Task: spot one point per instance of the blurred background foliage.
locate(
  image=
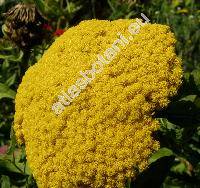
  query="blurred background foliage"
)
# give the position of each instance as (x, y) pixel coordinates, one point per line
(22, 22)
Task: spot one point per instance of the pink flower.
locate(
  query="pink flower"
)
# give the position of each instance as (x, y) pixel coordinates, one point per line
(59, 32)
(3, 149)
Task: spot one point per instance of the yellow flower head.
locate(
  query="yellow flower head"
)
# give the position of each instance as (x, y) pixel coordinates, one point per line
(104, 130)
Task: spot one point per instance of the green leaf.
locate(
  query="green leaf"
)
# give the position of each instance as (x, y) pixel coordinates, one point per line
(31, 182)
(44, 9)
(179, 168)
(189, 98)
(27, 169)
(182, 166)
(10, 81)
(40, 5)
(23, 155)
(162, 152)
(197, 102)
(196, 74)
(6, 92)
(15, 58)
(8, 168)
(5, 182)
(13, 142)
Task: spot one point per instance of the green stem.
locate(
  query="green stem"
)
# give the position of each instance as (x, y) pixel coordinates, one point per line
(24, 63)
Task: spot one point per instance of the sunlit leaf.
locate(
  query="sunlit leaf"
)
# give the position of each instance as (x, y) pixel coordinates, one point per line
(6, 92)
(162, 152)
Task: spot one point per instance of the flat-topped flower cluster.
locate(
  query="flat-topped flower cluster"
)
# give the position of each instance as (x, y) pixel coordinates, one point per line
(106, 133)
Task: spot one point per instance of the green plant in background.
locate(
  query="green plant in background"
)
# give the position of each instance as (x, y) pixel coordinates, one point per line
(182, 16)
(177, 163)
